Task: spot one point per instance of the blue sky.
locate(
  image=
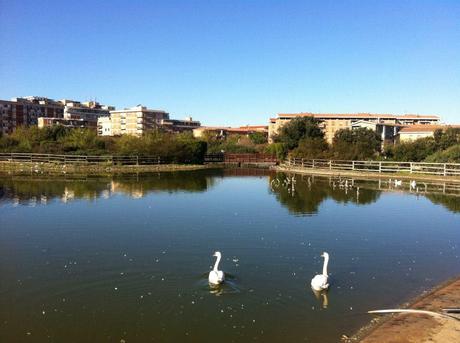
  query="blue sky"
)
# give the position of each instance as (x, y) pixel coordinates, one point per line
(237, 62)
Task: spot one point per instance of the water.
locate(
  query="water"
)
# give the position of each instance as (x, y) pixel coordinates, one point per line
(126, 259)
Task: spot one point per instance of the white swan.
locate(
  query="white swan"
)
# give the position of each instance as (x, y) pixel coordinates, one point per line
(216, 276)
(320, 281)
(398, 183)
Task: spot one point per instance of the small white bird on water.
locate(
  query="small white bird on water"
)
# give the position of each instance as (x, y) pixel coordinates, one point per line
(216, 276)
(320, 281)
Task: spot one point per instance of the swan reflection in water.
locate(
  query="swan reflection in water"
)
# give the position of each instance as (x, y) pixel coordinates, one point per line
(322, 297)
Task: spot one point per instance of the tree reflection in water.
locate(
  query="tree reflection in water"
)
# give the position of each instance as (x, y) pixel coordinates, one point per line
(303, 194)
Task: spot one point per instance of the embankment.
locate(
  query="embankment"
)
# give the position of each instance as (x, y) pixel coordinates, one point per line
(420, 328)
(58, 168)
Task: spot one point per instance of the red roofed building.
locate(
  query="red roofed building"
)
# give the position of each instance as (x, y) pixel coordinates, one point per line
(332, 122)
(413, 132)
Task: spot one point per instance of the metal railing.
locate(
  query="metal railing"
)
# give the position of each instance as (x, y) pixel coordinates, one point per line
(443, 169)
(81, 159)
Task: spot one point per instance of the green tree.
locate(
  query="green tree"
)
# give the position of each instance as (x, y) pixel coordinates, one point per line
(258, 137)
(449, 155)
(415, 151)
(297, 129)
(278, 149)
(446, 138)
(310, 148)
(356, 144)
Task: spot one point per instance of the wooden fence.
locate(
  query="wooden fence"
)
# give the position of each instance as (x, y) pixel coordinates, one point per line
(444, 169)
(81, 159)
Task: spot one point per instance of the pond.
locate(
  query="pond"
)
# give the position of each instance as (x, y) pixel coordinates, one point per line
(126, 258)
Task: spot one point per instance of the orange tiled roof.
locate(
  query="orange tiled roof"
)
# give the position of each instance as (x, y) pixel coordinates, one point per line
(425, 128)
(254, 127)
(235, 129)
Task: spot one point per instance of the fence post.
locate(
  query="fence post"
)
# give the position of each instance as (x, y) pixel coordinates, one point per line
(380, 166)
(352, 165)
(313, 163)
(411, 169)
(137, 160)
(445, 169)
(330, 164)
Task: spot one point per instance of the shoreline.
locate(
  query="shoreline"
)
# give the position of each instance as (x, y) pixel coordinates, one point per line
(340, 173)
(405, 328)
(8, 168)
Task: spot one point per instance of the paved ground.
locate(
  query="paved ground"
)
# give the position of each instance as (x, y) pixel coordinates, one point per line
(418, 328)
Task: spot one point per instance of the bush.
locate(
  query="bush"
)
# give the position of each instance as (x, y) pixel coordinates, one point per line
(310, 148)
(447, 138)
(232, 144)
(258, 137)
(415, 151)
(449, 155)
(357, 144)
(280, 150)
(298, 129)
(179, 148)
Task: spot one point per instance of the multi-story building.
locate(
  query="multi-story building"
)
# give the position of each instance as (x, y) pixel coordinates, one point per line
(69, 123)
(104, 126)
(89, 110)
(26, 111)
(331, 123)
(136, 120)
(413, 132)
(176, 125)
(70, 113)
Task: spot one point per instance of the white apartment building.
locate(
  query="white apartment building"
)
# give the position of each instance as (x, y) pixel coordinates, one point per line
(136, 120)
(104, 126)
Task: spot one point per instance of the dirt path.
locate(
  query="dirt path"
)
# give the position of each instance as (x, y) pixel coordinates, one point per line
(418, 328)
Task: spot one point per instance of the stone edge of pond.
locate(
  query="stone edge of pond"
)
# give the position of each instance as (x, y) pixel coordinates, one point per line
(378, 328)
(327, 172)
(8, 168)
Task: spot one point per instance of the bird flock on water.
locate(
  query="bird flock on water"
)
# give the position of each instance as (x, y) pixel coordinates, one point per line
(319, 283)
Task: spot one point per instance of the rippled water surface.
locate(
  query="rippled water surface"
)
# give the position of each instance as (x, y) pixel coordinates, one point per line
(125, 259)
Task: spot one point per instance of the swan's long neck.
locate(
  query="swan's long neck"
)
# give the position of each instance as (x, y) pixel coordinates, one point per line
(326, 261)
(216, 265)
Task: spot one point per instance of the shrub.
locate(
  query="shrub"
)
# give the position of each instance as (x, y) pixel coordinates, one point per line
(297, 129)
(449, 155)
(415, 151)
(258, 137)
(311, 148)
(280, 150)
(357, 144)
